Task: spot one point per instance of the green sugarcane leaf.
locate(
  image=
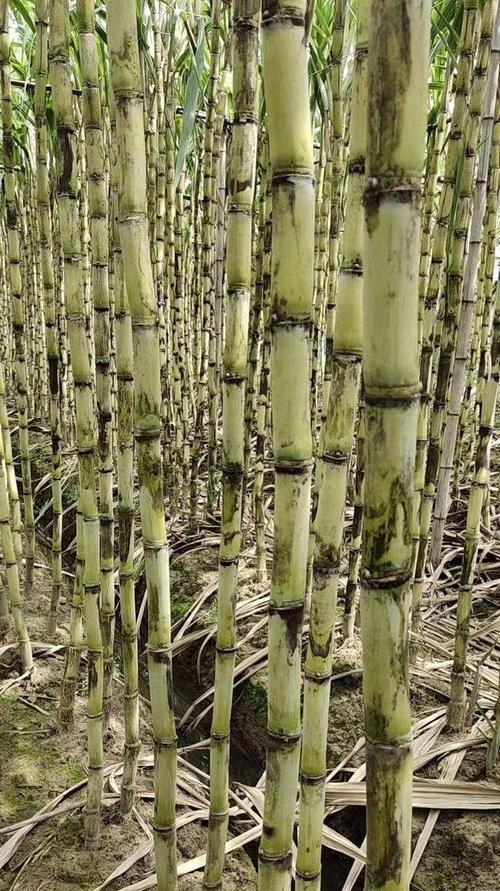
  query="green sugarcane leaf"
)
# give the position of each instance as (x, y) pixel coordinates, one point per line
(20, 9)
(191, 103)
(171, 39)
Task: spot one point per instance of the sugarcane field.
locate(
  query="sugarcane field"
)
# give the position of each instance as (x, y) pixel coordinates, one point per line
(249, 445)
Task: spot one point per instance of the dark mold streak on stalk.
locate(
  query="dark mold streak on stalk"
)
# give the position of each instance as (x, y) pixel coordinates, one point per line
(66, 162)
(390, 87)
(319, 649)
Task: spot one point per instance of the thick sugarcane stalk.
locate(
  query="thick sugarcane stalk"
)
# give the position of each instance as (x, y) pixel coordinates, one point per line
(397, 98)
(16, 290)
(134, 236)
(67, 200)
(94, 144)
(125, 478)
(284, 35)
(242, 166)
(484, 92)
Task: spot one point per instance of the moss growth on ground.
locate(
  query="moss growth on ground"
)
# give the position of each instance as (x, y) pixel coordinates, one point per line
(185, 584)
(257, 700)
(188, 576)
(33, 768)
(41, 462)
(462, 853)
(249, 719)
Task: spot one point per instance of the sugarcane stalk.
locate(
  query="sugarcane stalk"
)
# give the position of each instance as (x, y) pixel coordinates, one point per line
(52, 346)
(242, 168)
(69, 219)
(16, 290)
(94, 144)
(428, 434)
(137, 266)
(125, 478)
(484, 90)
(9, 553)
(284, 37)
(397, 98)
(456, 708)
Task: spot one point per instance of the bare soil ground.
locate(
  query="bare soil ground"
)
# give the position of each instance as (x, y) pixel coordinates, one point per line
(38, 762)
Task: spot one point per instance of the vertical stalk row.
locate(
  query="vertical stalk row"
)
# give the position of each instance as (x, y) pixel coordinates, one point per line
(16, 290)
(138, 272)
(397, 97)
(242, 165)
(284, 36)
(48, 285)
(69, 219)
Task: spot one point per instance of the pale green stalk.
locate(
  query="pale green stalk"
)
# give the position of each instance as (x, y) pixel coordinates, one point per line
(284, 37)
(134, 235)
(69, 219)
(242, 166)
(98, 208)
(482, 101)
(397, 99)
(16, 290)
